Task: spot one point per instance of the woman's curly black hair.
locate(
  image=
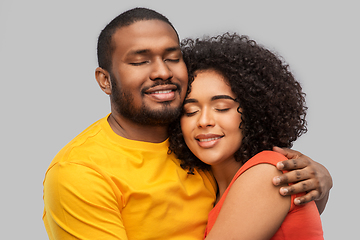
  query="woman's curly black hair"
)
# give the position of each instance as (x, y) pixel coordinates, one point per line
(271, 100)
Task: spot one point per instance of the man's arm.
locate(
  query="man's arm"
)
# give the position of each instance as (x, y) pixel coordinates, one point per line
(307, 175)
(80, 203)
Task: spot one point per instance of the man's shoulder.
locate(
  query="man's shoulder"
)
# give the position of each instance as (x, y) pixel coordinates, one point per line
(83, 141)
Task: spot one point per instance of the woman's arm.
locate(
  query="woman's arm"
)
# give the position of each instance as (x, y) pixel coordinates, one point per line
(253, 208)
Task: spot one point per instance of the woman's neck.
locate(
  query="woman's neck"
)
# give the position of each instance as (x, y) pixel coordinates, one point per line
(224, 173)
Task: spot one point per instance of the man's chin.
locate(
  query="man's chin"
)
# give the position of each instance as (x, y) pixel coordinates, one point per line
(153, 117)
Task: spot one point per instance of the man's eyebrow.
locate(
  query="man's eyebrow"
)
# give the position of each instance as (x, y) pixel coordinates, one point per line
(146, 51)
(139, 52)
(173, 49)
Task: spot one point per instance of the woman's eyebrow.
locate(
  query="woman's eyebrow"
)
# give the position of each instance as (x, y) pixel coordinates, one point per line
(222, 97)
(216, 97)
(190, 100)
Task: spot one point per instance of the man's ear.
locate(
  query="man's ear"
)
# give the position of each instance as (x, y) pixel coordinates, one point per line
(103, 78)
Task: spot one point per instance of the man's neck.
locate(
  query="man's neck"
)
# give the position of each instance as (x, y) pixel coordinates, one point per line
(131, 130)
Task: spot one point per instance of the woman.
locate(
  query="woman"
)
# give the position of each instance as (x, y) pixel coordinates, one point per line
(242, 101)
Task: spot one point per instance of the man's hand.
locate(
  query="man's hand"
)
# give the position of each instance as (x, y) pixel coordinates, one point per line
(306, 175)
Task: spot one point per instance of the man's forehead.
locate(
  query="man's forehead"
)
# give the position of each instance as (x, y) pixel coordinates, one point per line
(145, 36)
(146, 29)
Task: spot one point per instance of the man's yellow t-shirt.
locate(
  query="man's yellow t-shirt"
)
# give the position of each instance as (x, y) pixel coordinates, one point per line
(103, 186)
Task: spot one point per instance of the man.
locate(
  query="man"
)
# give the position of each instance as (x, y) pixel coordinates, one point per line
(116, 179)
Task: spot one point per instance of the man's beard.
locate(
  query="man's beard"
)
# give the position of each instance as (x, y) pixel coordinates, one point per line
(123, 102)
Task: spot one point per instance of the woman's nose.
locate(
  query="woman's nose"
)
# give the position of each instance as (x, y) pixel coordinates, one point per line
(206, 119)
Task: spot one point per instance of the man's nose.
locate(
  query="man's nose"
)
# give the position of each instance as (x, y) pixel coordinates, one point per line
(160, 71)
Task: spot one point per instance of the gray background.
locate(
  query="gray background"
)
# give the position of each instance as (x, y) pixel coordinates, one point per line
(49, 93)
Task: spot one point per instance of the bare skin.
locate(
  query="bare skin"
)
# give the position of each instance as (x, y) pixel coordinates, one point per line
(163, 70)
(315, 178)
(147, 63)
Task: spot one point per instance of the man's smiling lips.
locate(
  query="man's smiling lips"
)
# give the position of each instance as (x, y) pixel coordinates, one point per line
(162, 93)
(208, 140)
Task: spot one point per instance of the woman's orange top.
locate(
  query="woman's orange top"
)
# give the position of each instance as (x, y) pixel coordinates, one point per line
(302, 222)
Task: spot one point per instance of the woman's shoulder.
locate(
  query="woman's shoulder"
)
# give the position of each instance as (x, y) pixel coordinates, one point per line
(267, 156)
(263, 158)
(252, 198)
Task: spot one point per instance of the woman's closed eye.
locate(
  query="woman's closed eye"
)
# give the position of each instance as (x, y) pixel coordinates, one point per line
(222, 109)
(190, 109)
(190, 113)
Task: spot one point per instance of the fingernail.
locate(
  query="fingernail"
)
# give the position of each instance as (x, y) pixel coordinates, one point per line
(297, 201)
(280, 165)
(284, 191)
(276, 181)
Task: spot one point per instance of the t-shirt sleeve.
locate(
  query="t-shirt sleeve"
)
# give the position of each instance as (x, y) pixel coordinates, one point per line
(81, 202)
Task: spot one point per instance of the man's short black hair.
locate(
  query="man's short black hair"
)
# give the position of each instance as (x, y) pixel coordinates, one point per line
(105, 46)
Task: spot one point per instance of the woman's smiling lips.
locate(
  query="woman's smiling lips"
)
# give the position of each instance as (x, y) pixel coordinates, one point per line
(208, 140)
(162, 93)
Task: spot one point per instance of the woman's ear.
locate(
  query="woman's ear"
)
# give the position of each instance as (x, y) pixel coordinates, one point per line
(103, 78)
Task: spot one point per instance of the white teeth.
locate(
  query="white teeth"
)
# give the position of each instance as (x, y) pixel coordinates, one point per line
(208, 139)
(166, 91)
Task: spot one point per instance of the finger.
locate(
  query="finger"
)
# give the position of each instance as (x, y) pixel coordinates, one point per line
(289, 153)
(310, 196)
(293, 176)
(303, 186)
(293, 164)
